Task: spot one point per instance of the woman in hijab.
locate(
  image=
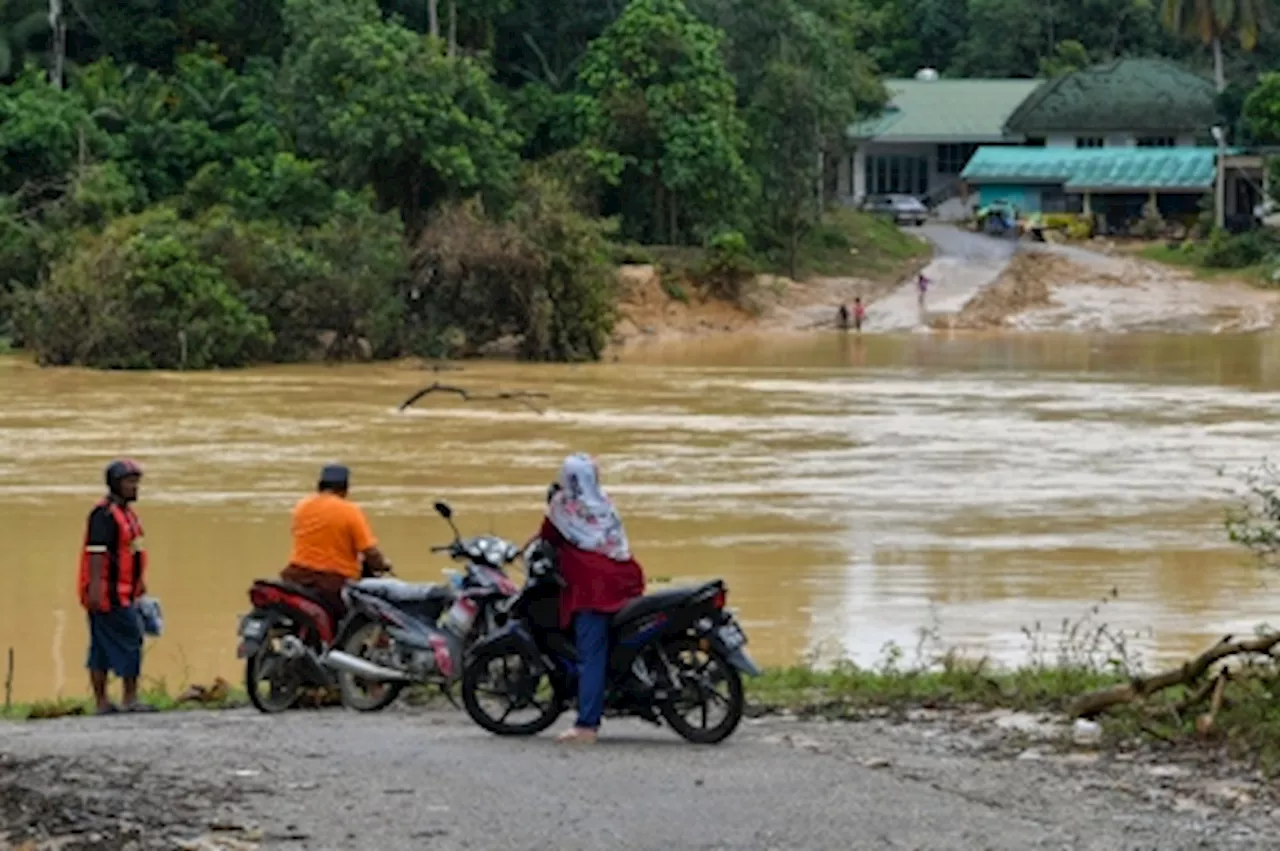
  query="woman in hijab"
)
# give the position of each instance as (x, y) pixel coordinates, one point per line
(600, 578)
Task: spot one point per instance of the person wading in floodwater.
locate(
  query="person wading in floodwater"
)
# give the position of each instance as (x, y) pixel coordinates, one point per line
(113, 575)
(859, 313)
(922, 287)
(842, 317)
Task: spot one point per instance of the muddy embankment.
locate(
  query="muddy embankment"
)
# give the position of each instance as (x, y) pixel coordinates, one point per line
(653, 309)
(1069, 289)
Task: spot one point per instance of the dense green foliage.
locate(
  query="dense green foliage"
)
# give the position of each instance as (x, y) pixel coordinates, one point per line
(228, 181)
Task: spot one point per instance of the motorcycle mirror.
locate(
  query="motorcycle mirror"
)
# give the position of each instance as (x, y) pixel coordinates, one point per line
(443, 509)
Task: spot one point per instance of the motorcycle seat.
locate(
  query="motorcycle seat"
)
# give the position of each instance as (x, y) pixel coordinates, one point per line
(399, 591)
(658, 601)
(298, 590)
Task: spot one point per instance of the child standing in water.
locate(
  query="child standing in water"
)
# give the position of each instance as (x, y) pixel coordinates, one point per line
(922, 286)
(859, 311)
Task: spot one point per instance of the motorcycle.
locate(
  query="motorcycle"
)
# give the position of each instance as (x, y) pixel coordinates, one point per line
(673, 653)
(391, 643)
(282, 640)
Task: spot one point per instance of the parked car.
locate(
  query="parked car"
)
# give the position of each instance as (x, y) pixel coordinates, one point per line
(904, 209)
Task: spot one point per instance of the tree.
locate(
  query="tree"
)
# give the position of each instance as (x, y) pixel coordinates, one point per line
(1006, 39)
(802, 81)
(1261, 113)
(1210, 21)
(21, 22)
(386, 107)
(1068, 56)
(44, 132)
(665, 103)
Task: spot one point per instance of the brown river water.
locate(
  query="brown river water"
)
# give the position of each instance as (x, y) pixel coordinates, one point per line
(850, 490)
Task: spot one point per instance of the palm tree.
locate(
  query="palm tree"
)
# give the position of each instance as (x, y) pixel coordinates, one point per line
(1212, 20)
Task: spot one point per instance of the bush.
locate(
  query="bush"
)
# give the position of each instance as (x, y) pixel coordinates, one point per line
(141, 296)
(1227, 251)
(543, 276)
(341, 285)
(729, 265)
(157, 291)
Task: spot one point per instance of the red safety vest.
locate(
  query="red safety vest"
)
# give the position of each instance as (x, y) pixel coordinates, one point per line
(126, 567)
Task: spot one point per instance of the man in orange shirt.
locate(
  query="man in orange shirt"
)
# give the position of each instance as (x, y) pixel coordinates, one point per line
(332, 541)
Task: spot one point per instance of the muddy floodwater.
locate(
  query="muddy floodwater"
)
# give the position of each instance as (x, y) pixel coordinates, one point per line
(850, 490)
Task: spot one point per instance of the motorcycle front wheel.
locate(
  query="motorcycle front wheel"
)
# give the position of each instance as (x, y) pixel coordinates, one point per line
(270, 668)
(497, 684)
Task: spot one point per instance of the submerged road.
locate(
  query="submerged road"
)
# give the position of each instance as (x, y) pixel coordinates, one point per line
(430, 780)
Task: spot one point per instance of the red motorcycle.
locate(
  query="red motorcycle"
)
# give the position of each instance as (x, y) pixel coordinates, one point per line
(285, 638)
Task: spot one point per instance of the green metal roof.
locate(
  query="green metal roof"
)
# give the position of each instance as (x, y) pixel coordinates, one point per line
(1095, 168)
(1150, 96)
(945, 110)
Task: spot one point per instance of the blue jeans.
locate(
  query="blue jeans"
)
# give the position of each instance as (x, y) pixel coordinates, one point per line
(591, 636)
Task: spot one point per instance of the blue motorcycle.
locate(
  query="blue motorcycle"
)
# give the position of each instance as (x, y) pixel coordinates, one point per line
(676, 655)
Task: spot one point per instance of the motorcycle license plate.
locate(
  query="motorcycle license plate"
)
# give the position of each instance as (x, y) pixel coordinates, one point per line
(732, 636)
(252, 628)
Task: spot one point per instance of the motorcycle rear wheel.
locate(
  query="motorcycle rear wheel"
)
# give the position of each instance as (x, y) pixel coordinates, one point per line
(698, 666)
(530, 691)
(285, 685)
(356, 691)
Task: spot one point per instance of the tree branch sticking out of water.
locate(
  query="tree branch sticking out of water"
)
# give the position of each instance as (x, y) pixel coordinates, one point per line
(521, 396)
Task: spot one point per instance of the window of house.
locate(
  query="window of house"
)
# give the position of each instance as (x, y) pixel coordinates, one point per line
(895, 174)
(1157, 142)
(953, 158)
(1090, 142)
(1055, 200)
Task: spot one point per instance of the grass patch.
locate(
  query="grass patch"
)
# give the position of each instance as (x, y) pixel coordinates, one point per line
(157, 695)
(845, 244)
(849, 243)
(1191, 258)
(847, 690)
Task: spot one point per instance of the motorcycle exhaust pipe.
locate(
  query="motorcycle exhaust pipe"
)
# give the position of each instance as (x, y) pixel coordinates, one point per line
(362, 668)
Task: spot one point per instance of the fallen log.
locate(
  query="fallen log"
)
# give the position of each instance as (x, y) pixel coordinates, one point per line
(1186, 674)
(520, 396)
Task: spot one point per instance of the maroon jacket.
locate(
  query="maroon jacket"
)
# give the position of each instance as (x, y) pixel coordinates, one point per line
(593, 582)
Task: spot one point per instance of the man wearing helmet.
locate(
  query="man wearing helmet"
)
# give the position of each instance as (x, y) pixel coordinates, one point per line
(332, 541)
(113, 575)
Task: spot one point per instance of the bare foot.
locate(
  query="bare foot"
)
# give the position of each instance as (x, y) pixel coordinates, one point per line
(577, 736)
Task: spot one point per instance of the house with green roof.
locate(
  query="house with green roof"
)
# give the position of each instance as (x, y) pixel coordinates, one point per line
(1111, 139)
(931, 128)
(925, 135)
(1148, 103)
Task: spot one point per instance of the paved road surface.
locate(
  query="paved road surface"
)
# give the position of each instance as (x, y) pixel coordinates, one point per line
(432, 781)
(963, 263)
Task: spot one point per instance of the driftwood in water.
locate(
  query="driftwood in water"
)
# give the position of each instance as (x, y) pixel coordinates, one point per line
(1187, 674)
(520, 396)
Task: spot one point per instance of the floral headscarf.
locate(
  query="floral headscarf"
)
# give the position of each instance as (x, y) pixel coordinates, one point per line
(583, 512)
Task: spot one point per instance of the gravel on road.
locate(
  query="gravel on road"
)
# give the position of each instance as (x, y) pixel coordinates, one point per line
(431, 781)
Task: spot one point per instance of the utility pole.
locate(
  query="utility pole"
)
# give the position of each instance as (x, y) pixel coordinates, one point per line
(58, 27)
(1220, 187)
